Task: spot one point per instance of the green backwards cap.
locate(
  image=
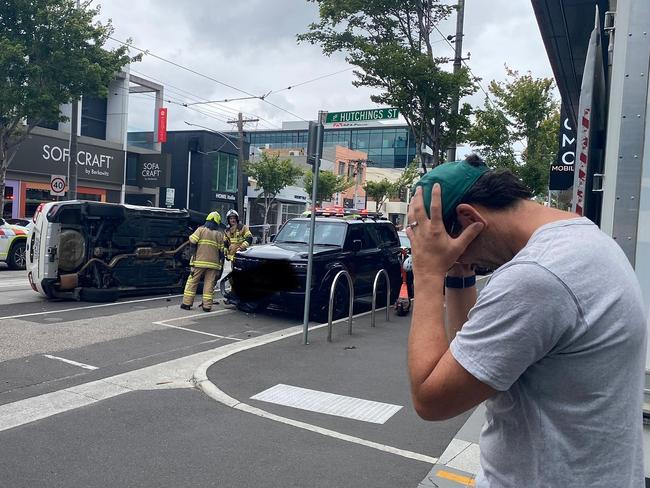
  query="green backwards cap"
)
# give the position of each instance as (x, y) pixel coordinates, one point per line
(455, 179)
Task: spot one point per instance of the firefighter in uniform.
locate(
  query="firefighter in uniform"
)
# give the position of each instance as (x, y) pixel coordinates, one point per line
(238, 236)
(207, 261)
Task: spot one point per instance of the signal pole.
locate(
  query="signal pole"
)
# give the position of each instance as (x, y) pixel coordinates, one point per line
(458, 59)
(240, 163)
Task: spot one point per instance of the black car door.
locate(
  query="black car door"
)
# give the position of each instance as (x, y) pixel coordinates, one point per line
(363, 262)
(389, 245)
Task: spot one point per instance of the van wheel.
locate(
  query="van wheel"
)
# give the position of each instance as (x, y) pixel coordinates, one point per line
(17, 258)
(101, 295)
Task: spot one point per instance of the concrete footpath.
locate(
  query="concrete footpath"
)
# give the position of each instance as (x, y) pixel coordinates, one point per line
(353, 389)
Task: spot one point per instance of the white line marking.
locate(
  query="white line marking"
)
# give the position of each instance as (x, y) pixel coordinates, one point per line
(204, 314)
(69, 361)
(10, 283)
(87, 308)
(172, 375)
(328, 403)
(201, 380)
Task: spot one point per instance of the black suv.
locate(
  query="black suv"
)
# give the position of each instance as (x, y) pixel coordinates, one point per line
(276, 273)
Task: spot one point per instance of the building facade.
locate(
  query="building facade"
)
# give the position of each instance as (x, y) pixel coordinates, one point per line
(386, 146)
(108, 169)
(203, 170)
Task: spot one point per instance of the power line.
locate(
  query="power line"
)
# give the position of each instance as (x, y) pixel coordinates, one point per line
(310, 81)
(444, 38)
(190, 70)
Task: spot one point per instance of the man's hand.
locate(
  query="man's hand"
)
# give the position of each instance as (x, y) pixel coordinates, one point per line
(433, 250)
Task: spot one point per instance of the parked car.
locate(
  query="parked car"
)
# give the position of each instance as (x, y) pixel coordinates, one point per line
(13, 240)
(96, 251)
(276, 273)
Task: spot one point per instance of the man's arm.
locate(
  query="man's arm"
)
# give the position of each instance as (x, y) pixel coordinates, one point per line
(440, 387)
(459, 300)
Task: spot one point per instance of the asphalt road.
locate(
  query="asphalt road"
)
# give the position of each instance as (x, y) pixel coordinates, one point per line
(101, 395)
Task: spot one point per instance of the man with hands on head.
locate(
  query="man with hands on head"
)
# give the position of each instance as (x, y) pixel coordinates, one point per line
(555, 343)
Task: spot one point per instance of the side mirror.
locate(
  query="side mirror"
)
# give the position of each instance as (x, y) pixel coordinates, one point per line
(272, 238)
(356, 245)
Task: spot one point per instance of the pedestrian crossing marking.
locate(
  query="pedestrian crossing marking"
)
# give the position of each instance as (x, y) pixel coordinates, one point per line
(328, 403)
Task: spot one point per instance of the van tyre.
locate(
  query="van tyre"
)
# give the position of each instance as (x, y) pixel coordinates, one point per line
(100, 295)
(17, 257)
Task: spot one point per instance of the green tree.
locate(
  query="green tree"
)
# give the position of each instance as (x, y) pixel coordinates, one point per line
(390, 41)
(271, 175)
(328, 185)
(380, 191)
(50, 53)
(524, 113)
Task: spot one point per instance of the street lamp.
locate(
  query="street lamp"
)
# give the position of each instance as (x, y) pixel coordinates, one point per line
(189, 155)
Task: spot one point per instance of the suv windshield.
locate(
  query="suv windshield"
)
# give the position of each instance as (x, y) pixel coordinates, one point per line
(327, 233)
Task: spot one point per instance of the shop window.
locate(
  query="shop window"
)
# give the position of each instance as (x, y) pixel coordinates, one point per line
(388, 139)
(225, 173)
(9, 202)
(93, 117)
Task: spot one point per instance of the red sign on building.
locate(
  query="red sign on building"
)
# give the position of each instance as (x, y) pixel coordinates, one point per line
(162, 125)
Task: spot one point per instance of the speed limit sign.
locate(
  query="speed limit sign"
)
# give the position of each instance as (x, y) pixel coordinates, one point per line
(57, 185)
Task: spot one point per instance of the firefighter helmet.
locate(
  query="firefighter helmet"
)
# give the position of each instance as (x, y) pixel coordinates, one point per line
(213, 217)
(232, 213)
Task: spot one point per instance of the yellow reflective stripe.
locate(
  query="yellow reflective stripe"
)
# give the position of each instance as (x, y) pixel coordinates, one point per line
(194, 239)
(208, 242)
(205, 264)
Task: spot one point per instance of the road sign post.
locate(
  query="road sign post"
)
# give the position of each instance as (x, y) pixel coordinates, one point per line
(57, 185)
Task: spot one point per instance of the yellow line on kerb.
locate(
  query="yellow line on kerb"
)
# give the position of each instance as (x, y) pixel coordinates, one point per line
(465, 480)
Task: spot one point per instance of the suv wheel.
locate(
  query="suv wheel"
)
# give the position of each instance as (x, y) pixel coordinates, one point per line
(341, 303)
(17, 258)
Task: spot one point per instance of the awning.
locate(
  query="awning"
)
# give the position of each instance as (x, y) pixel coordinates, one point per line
(565, 26)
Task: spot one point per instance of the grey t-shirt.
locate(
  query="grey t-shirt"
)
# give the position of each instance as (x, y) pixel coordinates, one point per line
(560, 332)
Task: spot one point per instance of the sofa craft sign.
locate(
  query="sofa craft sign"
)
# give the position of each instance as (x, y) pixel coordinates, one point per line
(93, 164)
(45, 155)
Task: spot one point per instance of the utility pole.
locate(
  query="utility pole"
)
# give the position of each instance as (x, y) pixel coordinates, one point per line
(458, 59)
(72, 150)
(241, 189)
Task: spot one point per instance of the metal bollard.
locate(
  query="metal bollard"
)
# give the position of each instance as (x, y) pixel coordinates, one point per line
(374, 295)
(331, 305)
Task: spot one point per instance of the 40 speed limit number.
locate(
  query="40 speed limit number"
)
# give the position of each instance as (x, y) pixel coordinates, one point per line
(57, 185)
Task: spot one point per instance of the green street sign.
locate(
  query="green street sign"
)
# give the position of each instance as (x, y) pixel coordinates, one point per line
(371, 115)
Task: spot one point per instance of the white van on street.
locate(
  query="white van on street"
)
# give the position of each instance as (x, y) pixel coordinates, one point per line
(96, 251)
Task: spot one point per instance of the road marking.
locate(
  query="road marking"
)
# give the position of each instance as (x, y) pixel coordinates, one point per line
(11, 283)
(204, 314)
(448, 475)
(178, 373)
(69, 361)
(328, 403)
(200, 379)
(87, 308)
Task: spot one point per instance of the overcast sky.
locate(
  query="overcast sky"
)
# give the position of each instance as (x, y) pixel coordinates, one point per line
(251, 45)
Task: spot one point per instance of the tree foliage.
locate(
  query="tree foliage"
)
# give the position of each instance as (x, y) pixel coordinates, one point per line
(523, 113)
(50, 53)
(380, 191)
(328, 185)
(390, 41)
(272, 175)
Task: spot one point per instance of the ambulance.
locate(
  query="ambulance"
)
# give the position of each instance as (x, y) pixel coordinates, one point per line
(13, 240)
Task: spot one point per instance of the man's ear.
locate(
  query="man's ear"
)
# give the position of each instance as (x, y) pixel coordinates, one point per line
(467, 214)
